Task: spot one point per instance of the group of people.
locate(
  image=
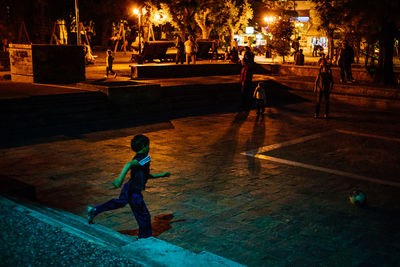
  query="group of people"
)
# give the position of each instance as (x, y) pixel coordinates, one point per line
(323, 82)
(188, 49)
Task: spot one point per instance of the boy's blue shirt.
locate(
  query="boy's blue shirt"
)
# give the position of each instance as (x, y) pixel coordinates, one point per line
(140, 174)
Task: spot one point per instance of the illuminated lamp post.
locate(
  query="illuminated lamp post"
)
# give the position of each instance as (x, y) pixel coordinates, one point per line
(78, 33)
(269, 20)
(139, 14)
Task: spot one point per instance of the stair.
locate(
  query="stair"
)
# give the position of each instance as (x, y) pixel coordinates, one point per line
(144, 252)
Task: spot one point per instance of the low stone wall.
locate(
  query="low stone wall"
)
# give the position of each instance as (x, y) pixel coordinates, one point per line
(190, 70)
(359, 74)
(126, 92)
(176, 71)
(47, 63)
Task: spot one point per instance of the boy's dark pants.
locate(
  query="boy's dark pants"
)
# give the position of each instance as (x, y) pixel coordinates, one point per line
(137, 205)
(322, 94)
(180, 57)
(246, 95)
(260, 106)
(109, 69)
(345, 72)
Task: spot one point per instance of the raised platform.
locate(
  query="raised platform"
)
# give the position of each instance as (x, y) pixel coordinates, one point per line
(183, 70)
(125, 92)
(191, 70)
(359, 74)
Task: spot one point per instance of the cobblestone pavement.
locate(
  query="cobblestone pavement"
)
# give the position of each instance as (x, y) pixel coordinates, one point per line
(254, 211)
(40, 244)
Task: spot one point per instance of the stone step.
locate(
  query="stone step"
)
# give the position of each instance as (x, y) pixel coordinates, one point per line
(145, 252)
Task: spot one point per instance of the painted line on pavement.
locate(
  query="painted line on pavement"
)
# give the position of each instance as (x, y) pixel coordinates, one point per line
(327, 170)
(394, 139)
(256, 153)
(287, 143)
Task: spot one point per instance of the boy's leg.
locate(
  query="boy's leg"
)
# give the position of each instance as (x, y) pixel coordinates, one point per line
(318, 103)
(326, 104)
(112, 204)
(342, 74)
(258, 106)
(262, 106)
(142, 215)
(107, 69)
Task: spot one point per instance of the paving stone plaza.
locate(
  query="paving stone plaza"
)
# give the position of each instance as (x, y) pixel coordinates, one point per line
(269, 191)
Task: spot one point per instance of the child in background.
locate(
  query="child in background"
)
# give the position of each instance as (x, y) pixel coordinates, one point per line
(109, 64)
(260, 98)
(131, 192)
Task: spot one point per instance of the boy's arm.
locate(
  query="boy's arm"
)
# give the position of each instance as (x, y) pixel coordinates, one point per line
(117, 182)
(164, 174)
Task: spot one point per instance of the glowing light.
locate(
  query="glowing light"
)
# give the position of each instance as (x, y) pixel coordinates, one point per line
(136, 11)
(269, 19)
(303, 19)
(250, 30)
(157, 16)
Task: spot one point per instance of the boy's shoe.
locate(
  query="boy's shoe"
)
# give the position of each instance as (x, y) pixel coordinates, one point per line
(90, 215)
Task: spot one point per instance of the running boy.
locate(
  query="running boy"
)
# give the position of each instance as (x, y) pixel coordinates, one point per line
(109, 64)
(131, 192)
(260, 98)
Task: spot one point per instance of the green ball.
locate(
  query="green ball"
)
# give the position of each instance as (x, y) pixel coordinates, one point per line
(357, 198)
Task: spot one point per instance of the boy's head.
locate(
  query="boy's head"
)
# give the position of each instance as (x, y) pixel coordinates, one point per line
(109, 52)
(261, 84)
(139, 142)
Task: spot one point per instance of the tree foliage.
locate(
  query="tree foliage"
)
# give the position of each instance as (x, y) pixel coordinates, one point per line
(330, 15)
(281, 31)
(376, 21)
(237, 15)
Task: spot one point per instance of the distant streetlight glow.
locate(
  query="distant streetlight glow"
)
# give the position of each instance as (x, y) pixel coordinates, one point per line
(269, 19)
(139, 13)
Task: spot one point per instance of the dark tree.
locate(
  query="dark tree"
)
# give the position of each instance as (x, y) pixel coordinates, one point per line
(330, 14)
(380, 21)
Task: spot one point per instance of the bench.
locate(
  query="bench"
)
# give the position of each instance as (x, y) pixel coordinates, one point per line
(153, 50)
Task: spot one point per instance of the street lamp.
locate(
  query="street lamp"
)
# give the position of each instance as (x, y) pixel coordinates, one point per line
(78, 33)
(137, 12)
(269, 19)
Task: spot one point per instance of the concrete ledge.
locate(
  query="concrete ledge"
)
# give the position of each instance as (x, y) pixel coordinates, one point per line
(145, 252)
(125, 92)
(359, 74)
(172, 71)
(386, 98)
(156, 252)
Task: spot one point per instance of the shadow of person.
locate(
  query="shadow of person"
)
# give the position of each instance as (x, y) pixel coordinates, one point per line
(223, 151)
(255, 141)
(160, 224)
